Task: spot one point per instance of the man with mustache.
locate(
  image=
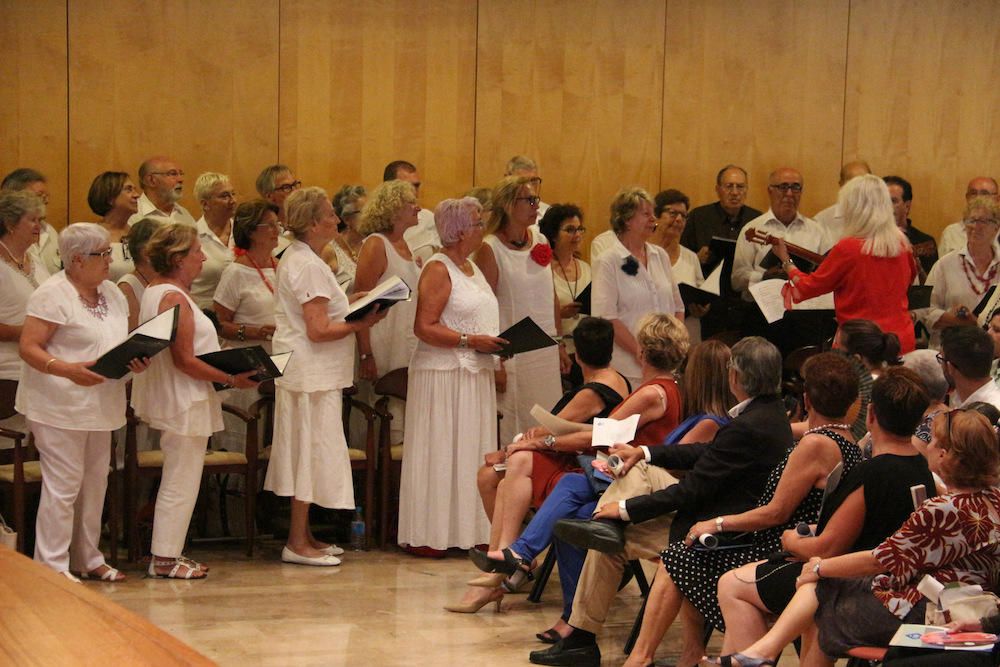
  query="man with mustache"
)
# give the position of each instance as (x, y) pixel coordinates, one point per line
(162, 183)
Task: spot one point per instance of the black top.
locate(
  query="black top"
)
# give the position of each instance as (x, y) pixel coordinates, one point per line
(916, 238)
(725, 476)
(710, 220)
(609, 396)
(886, 479)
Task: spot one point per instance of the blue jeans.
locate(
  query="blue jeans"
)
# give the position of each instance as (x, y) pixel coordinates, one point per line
(572, 498)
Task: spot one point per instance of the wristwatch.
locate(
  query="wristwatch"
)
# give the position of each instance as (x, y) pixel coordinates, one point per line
(816, 570)
(463, 341)
(549, 441)
(718, 523)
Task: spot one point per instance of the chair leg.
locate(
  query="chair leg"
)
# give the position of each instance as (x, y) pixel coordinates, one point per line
(633, 636)
(543, 574)
(19, 525)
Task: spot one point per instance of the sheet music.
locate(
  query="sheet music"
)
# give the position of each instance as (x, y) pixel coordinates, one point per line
(609, 431)
(767, 294)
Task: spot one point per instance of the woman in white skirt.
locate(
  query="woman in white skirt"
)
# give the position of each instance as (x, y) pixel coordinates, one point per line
(516, 261)
(72, 319)
(309, 459)
(451, 395)
(176, 395)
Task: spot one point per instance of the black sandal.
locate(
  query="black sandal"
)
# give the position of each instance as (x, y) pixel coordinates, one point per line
(509, 565)
(550, 636)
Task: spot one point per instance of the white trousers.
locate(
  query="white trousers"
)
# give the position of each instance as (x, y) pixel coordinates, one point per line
(183, 460)
(74, 480)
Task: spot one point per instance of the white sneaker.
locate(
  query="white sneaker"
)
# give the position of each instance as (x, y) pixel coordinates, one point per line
(326, 560)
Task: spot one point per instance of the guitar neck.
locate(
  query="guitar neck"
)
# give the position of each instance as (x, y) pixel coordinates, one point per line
(801, 252)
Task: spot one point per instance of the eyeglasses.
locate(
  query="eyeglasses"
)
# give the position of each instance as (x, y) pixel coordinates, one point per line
(982, 221)
(228, 195)
(288, 187)
(104, 254)
(271, 225)
(173, 173)
(574, 230)
(532, 201)
(676, 214)
(787, 187)
(738, 187)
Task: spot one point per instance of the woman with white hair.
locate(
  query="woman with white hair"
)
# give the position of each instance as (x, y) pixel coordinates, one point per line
(309, 458)
(869, 270)
(451, 395)
(925, 364)
(217, 197)
(72, 320)
(176, 395)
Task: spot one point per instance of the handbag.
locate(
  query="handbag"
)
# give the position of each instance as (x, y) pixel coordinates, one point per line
(970, 608)
(8, 536)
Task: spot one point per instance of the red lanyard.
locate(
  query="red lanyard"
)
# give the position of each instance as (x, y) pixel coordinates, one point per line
(267, 283)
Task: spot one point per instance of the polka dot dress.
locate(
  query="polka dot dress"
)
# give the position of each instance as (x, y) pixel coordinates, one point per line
(697, 571)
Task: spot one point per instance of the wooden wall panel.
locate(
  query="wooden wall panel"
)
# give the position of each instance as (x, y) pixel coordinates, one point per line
(197, 81)
(365, 84)
(759, 84)
(33, 94)
(923, 97)
(576, 85)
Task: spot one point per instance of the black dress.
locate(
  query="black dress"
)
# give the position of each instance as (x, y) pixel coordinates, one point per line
(696, 571)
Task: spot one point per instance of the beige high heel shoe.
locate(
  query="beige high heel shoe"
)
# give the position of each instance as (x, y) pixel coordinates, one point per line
(496, 595)
(491, 580)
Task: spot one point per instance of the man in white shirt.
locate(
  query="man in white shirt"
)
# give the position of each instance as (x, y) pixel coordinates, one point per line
(830, 217)
(162, 183)
(522, 165)
(422, 238)
(953, 236)
(274, 184)
(966, 356)
(47, 249)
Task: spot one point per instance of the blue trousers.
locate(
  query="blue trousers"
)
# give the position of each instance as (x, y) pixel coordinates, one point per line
(572, 498)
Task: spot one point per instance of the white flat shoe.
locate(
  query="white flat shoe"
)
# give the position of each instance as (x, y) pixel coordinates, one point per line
(333, 550)
(326, 560)
(69, 575)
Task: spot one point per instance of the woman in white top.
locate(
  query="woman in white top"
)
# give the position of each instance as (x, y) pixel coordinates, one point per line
(671, 210)
(342, 253)
(73, 319)
(309, 459)
(516, 262)
(114, 197)
(962, 277)
(217, 197)
(176, 395)
(134, 283)
(562, 225)
(451, 395)
(633, 278)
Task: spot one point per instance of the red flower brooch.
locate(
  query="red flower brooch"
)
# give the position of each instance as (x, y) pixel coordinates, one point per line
(542, 254)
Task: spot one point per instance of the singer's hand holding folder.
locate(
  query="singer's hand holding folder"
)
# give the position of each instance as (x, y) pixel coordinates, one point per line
(242, 359)
(525, 336)
(146, 340)
(384, 295)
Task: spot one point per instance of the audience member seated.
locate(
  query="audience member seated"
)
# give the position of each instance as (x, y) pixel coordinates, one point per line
(423, 237)
(966, 356)
(217, 197)
(47, 247)
(134, 283)
(309, 458)
(114, 197)
(516, 262)
(861, 598)
(832, 217)
(953, 237)
(162, 183)
(925, 364)
(450, 392)
(175, 395)
(867, 505)
(633, 278)
(793, 494)
(961, 278)
(924, 246)
(869, 270)
(724, 476)
(342, 253)
(72, 320)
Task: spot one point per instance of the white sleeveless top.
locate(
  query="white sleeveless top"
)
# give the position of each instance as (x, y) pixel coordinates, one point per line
(524, 288)
(471, 309)
(392, 339)
(133, 281)
(166, 398)
(15, 288)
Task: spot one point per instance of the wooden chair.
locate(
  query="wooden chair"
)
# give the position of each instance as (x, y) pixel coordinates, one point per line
(149, 464)
(391, 385)
(363, 461)
(24, 473)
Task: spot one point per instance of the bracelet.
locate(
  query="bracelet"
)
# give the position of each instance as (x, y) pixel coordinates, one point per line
(49, 363)
(230, 381)
(365, 355)
(241, 333)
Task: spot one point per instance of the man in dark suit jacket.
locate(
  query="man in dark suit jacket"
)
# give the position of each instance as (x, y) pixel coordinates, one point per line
(725, 476)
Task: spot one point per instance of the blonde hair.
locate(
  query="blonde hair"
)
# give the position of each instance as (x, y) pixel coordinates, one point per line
(385, 201)
(865, 203)
(504, 194)
(206, 184)
(625, 204)
(168, 244)
(971, 441)
(663, 340)
(302, 209)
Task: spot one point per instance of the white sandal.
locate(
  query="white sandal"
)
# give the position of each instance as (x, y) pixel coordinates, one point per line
(175, 571)
(110, 575)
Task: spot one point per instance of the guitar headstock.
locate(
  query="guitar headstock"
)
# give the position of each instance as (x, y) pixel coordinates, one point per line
(759, 237)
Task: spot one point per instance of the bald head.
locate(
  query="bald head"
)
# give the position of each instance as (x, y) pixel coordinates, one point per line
(852, 169)
(982, 186)
(784, 188)
(162, 181)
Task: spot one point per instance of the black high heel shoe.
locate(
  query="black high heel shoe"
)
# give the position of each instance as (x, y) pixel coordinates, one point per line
(509, 565)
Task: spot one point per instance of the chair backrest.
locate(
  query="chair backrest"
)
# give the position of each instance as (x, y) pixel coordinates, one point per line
(8, 390)
(392, 384)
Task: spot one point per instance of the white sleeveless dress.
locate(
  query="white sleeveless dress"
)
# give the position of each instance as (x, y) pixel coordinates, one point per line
(452, 425)
(524, 289)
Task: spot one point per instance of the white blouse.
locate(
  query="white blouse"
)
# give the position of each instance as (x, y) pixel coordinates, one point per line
(79, 336)
(950, 277)
(313, 366)
(218, 256)
(243, 291)
(15, 290)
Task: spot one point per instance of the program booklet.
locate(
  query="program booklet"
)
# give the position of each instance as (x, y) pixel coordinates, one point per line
(385, 295)
(242, 359)
(146, 340)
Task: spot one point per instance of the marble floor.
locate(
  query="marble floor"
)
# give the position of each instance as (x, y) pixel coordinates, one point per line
(380, 608)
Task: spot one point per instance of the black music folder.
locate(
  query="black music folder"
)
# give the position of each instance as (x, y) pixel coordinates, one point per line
(147, 339)
(525, 336)
(242, 359)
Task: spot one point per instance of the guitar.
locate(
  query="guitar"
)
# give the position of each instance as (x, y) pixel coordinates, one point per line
(763, 238)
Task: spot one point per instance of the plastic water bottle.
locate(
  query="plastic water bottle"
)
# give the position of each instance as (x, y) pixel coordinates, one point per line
(358, 530)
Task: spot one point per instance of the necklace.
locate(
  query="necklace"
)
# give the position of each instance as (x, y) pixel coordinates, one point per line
(350, 249)
(576, 278)
(983, 281)
(19, 266)
(98, 309)
(823, 427)
(267, 283)
(520, 245)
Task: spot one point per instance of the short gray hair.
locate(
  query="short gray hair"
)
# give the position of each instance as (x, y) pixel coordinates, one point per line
(520, 163)
(265, 182)
(80, 238)
(15, 204)
(302, 209)
(207, 182)
(925, 364)
(758, 366)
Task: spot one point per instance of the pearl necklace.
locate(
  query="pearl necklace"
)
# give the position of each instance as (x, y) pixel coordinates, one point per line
(19, 266)
(823, 427)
